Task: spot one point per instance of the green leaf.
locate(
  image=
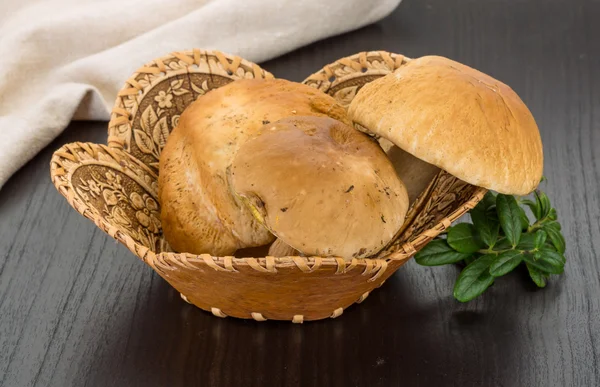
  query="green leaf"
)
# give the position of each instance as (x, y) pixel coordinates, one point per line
(539, 238)
(486, 222)
(547, 262)
(537, 276)
(506, 262)
(527, 242)
(438, 252)
(551, 254)
(533, 206)
(464, 239)
(509, 214)
(502, 244)
(474, 279)
(524, 219)
(489, 200)
(552, 214)
(473, 257)
(553, 231)
(539, 206)
(543, 203)
(554, 225)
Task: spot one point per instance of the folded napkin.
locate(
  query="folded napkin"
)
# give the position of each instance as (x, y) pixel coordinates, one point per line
(66, 59)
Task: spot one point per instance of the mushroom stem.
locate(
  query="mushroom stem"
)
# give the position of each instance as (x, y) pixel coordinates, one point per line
(281, 249)
(414, 172)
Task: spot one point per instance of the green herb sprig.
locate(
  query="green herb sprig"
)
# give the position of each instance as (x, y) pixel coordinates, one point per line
(500, 238)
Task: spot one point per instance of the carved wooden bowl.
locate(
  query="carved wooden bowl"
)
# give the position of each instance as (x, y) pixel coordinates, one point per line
(115, 186)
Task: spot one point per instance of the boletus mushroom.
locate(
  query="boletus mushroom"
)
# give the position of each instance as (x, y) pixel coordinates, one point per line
(198, 211)
(443, 114)
(322, 187)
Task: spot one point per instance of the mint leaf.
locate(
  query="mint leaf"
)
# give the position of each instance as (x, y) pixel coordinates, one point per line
(550, 262)
(533, 206)
(486, 222)
(539, 239)
(474, 279)
(553, 231)
(438, 252)
(524, 219)
(537, 276)
(464, 239)
(489, 200)
(502, 244)
(471, 259)
(509, 214)
(543, 203)
(502, 228)
(549, 253)
(506, 262)
(527, 242)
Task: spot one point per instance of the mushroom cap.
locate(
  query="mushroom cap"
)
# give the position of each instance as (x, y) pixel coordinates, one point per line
(458, 119)
(198, 211)
(321, 187)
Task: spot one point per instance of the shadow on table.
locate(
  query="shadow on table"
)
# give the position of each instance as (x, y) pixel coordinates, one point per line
(390, 338)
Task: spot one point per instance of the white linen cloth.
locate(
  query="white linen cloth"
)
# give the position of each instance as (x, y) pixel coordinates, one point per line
(66, 59)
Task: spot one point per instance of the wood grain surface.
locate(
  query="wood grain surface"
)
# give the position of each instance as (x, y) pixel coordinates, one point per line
(76, 309)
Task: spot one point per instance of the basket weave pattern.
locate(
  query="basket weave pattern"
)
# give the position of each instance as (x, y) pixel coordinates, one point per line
(115, 186)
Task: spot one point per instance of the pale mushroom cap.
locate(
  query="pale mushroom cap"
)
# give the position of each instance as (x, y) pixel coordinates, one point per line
(458, 119)
(321, 187)
(198, 211)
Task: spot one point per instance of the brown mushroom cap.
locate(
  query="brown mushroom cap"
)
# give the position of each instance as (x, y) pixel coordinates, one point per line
(458, 119)
(321, 187)
(198, 211)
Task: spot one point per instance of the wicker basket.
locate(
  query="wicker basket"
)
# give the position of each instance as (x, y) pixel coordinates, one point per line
(115, 186)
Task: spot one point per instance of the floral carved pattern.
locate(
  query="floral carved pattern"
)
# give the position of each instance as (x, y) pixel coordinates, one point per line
(113, 189)
(149, 106)
(345, 77)
(161, 109)
(122, 202)
(445, 195)
(157, 116)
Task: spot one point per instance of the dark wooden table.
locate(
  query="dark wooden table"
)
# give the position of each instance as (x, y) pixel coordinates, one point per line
(77, 309)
